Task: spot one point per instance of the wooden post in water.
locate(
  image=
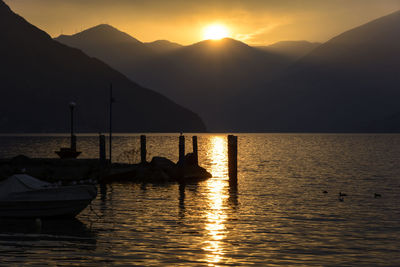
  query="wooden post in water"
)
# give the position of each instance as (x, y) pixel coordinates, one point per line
(102, 149)
(143, 150)
(181, 149)
(232, 158)
(195, 150)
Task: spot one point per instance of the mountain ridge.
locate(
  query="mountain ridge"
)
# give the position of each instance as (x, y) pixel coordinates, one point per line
(204, 76)
(102, 33)
(41, 76)
(347, 84)
(293, 49)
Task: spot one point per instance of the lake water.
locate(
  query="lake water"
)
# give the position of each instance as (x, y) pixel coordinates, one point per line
(278, 214)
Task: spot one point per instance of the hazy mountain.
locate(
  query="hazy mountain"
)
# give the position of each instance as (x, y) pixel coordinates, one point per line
(162, 46)
(208, 77)
(350, 83)
(205, 77)
(118, 49)
(291, 49)
(40, 76)
(103, 34)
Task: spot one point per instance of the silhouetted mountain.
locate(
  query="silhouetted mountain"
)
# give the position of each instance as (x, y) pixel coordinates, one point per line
(118, 49)
(350, 83)
(291, 49)
(209, 75)
(40, 76)
(206, 76)
(103, 34)
(162, 46)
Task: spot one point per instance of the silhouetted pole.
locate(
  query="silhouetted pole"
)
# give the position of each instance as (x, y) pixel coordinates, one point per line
(73, 142)
(181, 149)
(232, 158)
(111, 102)
(73, 137)
(102, 149)
(143, 150)
(195, 150)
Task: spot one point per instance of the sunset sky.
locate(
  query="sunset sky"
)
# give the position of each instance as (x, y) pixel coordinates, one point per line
(256, 22)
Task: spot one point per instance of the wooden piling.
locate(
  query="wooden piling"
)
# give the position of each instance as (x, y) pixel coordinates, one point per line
(102, 149)
(232, 158)
(195, 150)
(143, 150)
(181, 149)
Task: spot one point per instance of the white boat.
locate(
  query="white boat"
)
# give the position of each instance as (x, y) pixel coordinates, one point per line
(23, 196)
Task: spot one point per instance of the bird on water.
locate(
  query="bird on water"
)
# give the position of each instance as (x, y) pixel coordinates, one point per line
(341, 196)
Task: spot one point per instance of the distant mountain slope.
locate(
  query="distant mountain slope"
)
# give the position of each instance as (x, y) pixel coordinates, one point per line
(209, 75)
(101, 34)
(163, 46)
(206, 76)
(118, 49)
(40, 76)
(291, 49)
(350, 83)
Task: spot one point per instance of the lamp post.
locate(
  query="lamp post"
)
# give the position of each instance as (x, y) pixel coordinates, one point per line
(72, 105)
(70, 152)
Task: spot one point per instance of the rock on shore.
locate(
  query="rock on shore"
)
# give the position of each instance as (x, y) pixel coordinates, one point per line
(159, 170)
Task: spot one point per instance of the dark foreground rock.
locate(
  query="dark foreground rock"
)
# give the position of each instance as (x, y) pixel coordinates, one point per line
(159, 170)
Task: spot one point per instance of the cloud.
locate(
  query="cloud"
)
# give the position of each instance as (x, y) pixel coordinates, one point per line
(257, 36)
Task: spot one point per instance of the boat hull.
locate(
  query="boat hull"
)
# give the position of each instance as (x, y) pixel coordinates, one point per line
(60, 202)
(42, 209)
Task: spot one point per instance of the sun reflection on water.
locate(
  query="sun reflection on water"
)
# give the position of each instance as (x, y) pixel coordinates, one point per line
(217, 194)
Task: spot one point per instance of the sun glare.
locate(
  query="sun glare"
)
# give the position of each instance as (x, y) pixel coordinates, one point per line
(215, 32)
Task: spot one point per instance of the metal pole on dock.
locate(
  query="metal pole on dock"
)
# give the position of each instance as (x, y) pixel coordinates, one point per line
(232, 158)
(73, 142)
(73, 137)
(143, 150)
(111, 102)
(181, 149)
(195, 150)
(102, 149)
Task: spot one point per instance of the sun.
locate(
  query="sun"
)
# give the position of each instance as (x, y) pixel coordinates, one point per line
(215, 32)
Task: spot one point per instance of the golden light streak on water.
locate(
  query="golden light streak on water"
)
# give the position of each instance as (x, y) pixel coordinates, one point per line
(216, 195)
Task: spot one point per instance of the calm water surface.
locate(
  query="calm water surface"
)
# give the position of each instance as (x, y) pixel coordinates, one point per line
(277, 215)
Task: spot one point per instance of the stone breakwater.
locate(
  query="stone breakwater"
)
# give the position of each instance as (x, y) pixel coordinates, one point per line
(158, 170)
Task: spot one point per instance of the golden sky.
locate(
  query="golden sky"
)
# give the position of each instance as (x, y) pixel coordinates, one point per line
(256, 22)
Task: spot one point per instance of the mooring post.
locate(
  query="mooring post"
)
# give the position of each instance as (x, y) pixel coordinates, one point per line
(181, 149)
(102, 149)
(232, 158)
(143, 150)
(195, 150)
